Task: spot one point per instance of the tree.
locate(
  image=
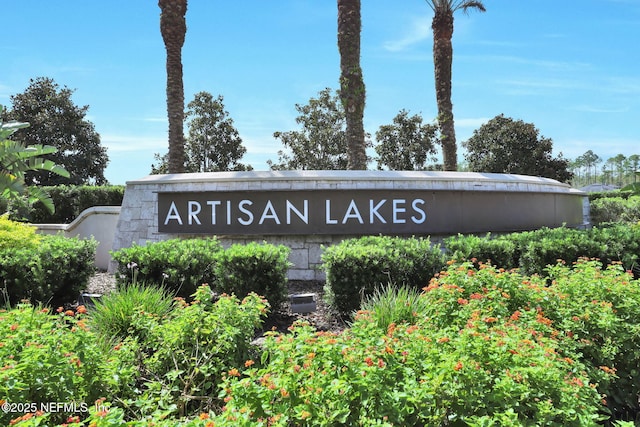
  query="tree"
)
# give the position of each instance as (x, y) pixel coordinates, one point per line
(321, 144)
(56, 121)
(352, 89)
(213, 143)
(442, 26)
(505, 145)
(633, 164)
(589, 160)
(16, 160)
(173, 28)
(406, 144)
(619, 162)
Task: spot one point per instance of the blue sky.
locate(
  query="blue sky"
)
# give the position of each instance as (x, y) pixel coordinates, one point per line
(569, 67)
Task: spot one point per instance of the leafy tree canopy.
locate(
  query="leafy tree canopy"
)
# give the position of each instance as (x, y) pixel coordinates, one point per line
(213, 143)
(407, 144)
(321, 143)
(505, 145)
(56, 121)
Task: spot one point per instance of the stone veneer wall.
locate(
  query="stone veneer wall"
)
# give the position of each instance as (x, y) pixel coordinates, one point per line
(138, 222)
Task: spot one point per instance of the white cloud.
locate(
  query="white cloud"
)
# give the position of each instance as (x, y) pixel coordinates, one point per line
(128, 143)
(155, 119)
(473, 123)
(418, 31)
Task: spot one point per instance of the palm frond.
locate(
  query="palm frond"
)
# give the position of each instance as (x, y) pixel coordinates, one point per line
(471, 4)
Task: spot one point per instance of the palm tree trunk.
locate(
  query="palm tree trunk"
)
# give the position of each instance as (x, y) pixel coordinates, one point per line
(442, 26)
(352, 89)
(173, 28)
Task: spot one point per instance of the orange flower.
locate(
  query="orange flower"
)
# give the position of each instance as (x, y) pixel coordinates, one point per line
(81, 309)
(210, 424)
(69, 313)
(515, 316)
(305, 414)
(13, 327)
(458, 366)
(204, 416)
(284, 392)
(102, 413)
(608, 370)
(388, 350)
(443, 340)
(368, 361)
(248, 363)
(59, 309)
(462, 301)
(234, 372)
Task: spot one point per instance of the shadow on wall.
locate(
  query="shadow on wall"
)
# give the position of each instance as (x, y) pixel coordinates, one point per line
(99, 222)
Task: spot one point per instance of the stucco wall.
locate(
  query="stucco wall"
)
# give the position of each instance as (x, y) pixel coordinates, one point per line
(98, 222)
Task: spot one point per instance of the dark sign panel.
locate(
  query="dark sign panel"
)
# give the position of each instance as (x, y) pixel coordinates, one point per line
(293, 212)
(362, 212)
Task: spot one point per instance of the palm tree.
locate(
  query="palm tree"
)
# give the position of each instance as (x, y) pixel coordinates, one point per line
(352, 90)
(173, 28)
(442, 26)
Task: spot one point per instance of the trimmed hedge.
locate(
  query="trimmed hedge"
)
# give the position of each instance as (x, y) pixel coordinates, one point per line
(259, 268)
(533, 251)
(355, 268)
(53, 273)
(615, 209)
(69, 200)
(181, 265)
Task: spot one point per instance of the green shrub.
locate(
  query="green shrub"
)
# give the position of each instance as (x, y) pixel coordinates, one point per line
(495, 250)
(180, 265)
(113, 314)
(601, 309)
(615, 209)
(534, 250)
(69, 200)
(187, 354)
(565, 244)
(14, 235)
(625, 194)
(488, 347)
(484, 351)
(259, 268)
(48, 358)
(355, 267)
(53, 273)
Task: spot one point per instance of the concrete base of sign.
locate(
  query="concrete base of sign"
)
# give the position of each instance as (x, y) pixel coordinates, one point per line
(278, 206)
